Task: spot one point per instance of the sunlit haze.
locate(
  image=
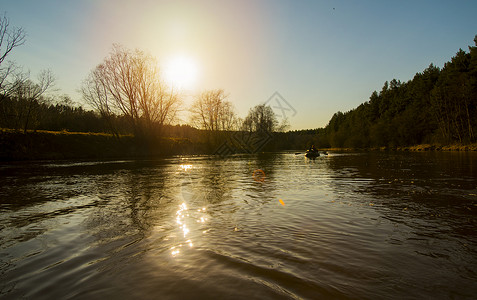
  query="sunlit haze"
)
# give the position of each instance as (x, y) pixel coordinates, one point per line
(181, 72)
(321, 56)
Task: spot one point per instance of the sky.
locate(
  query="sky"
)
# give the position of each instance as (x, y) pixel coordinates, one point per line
(321, 57)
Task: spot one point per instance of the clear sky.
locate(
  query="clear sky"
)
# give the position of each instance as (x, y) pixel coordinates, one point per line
(321, 56)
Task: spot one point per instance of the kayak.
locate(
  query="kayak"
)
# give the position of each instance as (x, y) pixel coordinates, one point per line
(312, 154)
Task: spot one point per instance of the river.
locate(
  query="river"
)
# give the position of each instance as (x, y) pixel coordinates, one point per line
(371, 225)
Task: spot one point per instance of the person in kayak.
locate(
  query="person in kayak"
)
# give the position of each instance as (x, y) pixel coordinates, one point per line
(312, 152)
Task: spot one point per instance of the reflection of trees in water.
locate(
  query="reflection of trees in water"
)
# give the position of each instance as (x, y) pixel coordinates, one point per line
(216, 182)
(410, 173)
(263, 190)
(131, 202)
(419, 202)
(36, 195)
(145, 194)
(233, 178)
(225, 186)
(420, 190)
(28, 185)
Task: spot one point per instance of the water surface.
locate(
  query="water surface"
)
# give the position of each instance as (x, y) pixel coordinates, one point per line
(349, 225)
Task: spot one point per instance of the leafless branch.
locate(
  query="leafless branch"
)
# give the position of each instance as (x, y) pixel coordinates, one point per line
(127, 82)
(9, 37)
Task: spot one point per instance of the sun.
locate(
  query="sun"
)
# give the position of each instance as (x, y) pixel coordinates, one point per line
(181, 72)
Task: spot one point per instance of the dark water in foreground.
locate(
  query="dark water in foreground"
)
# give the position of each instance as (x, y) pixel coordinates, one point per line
(360, 225)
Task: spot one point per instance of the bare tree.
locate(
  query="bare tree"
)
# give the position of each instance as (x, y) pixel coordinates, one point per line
(96, 95)
(28, 95)
(211, 111)
(128, 83)
(261, 117)
(10, 38)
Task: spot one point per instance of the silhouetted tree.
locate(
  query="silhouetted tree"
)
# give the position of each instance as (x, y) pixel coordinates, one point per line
(261, 117)
(128, 83)
(29, 96)
(95, 93)
(215, 115)
(211, 111)
(453, 99)
(10, 38)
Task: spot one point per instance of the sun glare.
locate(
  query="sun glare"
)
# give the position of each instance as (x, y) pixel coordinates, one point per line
(181, 72)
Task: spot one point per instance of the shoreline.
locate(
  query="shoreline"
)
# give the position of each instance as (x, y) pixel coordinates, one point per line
(64, 145)
(414, 148)
(431, 147)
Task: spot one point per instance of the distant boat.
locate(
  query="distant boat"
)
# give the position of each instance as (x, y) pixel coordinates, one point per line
(312, 154)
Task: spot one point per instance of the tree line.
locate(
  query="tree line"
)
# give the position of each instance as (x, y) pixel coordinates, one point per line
(436, 106)
(129, 97)
(127, 94)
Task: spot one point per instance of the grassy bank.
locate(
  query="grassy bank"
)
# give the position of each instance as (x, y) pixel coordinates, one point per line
(430, 147)
(41, 145)
(53, 145)
(422, 147)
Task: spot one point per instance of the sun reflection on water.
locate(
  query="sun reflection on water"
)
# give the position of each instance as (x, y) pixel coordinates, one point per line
(190, 220)
(174, 251)
(180, 218)
(183, 215)
(185, 167)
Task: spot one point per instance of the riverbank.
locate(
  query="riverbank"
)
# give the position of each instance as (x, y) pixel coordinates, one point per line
(54, 145)
(422, 147)
(430, 147)
(57, 145)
